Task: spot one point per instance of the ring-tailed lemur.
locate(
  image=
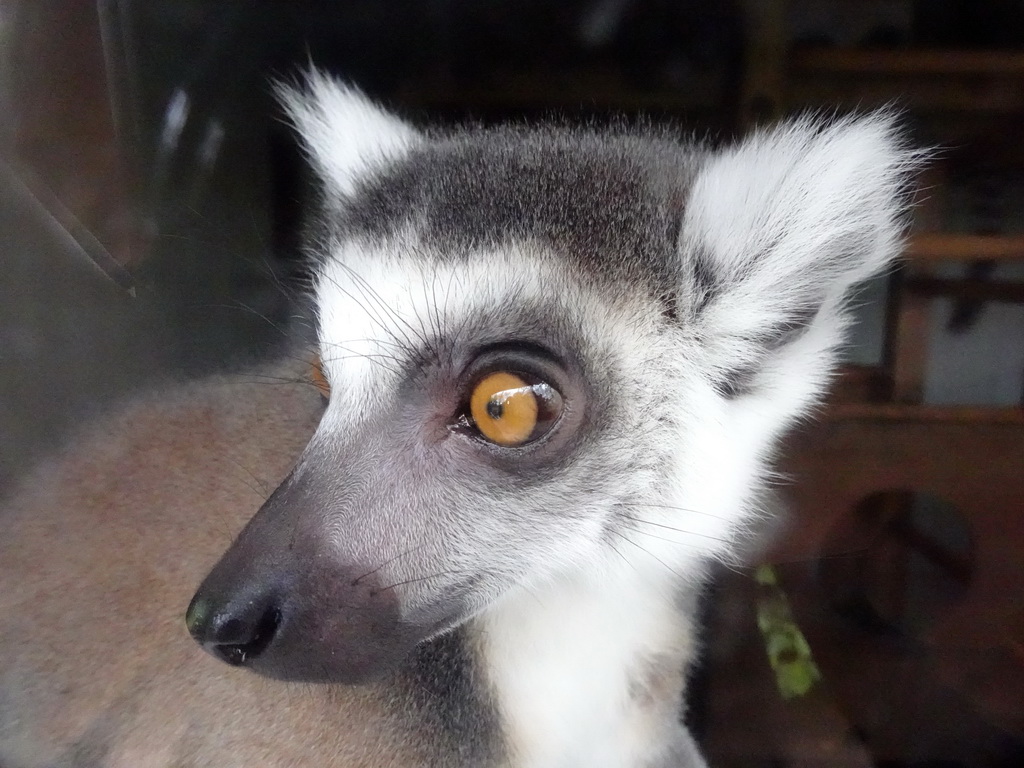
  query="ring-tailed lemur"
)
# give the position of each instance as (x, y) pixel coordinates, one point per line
(559, 362)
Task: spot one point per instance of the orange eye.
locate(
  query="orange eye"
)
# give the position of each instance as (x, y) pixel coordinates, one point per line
(510, 411)
(316, 373)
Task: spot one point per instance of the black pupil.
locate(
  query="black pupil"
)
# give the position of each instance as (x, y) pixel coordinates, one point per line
(495, 408)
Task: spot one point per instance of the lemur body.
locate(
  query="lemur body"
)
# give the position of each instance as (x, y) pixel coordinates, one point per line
(559, 363)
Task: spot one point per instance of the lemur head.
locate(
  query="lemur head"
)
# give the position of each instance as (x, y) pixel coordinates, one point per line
(550, 351)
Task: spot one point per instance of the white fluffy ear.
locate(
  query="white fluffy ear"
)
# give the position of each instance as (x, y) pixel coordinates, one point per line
(345, 134)
(778, 229)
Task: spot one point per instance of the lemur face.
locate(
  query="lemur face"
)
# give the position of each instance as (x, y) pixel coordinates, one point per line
(547, 351)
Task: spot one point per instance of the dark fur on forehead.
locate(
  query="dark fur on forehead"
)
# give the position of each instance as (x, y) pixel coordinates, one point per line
(612, 203)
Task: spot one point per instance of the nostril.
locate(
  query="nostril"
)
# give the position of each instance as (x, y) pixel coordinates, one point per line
(239, 642)
(236, 635)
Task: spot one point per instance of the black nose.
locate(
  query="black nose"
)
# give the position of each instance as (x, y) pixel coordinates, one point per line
(237, 633)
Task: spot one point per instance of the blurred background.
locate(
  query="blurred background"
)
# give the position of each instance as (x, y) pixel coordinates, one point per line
(150, 199)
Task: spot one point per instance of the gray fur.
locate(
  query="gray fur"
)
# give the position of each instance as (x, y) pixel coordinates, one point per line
(612, 203)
